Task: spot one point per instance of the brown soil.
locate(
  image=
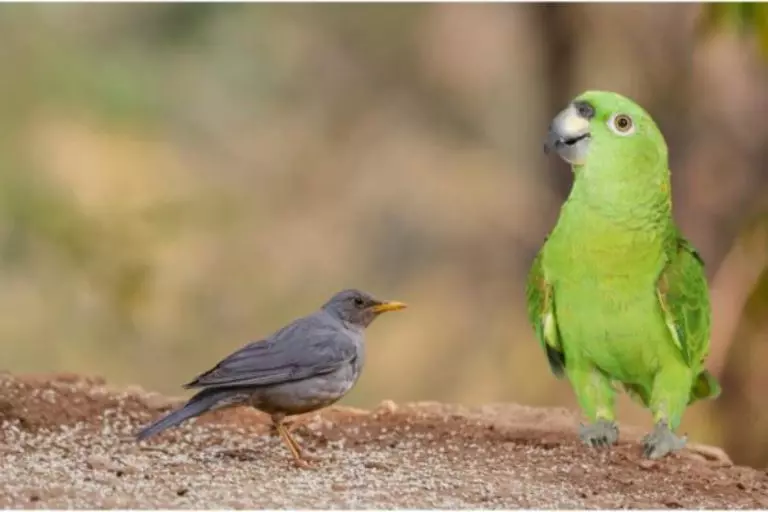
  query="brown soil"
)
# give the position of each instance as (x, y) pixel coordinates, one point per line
(66, 441)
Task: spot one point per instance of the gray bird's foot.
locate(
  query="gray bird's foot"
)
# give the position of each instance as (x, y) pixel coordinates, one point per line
(601, 434)
(662, 441)
(306, 460)
(309, 457)
(303, 464)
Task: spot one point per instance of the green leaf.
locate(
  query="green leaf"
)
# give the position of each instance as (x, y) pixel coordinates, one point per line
(745, 18)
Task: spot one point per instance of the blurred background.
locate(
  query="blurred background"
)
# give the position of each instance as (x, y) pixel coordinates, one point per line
(177, 180)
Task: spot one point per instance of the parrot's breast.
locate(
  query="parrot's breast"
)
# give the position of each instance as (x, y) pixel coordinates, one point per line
(614, 328)
(605, 301)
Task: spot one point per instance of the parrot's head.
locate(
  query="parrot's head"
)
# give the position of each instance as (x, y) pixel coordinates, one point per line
(599, 126)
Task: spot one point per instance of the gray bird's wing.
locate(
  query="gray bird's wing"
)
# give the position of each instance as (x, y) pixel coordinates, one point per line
(310, 346)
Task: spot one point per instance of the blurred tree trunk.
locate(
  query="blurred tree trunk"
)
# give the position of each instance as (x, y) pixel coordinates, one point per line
(556, 22)
(740, 286)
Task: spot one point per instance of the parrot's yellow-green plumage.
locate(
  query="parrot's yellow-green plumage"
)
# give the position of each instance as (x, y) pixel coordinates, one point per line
(617, 295)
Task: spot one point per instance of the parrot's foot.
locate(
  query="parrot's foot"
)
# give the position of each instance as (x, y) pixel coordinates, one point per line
(602, 433)
(661, 442)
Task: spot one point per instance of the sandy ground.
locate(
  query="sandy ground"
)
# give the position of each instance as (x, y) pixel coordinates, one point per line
(66, 441)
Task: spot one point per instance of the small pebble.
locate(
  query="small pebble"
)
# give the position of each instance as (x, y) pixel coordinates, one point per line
(386, 407)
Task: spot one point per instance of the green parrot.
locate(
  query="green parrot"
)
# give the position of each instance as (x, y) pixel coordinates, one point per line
(616, 295)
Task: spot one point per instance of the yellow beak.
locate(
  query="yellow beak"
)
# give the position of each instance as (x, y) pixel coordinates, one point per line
(388, 306)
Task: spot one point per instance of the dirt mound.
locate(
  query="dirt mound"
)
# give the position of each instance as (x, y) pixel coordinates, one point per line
(67, 441)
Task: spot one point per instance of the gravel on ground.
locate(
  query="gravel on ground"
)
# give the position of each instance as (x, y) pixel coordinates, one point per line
(66, 441)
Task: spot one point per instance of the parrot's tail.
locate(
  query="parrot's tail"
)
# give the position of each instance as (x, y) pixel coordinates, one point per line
(704, 387)
(202, 402)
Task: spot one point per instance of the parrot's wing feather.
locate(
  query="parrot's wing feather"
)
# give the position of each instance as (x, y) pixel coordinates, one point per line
(684, 301)
(306, 348)
(541, 313)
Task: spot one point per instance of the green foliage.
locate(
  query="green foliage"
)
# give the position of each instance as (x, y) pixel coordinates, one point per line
(746, 18)
(755, 238)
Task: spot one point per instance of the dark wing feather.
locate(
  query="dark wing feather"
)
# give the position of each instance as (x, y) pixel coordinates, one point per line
(310, 346)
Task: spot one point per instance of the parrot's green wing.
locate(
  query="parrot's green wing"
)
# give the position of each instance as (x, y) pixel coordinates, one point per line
(684, 300)
(541, 313)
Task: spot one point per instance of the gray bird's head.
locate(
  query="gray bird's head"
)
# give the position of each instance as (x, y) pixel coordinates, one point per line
(359, 308)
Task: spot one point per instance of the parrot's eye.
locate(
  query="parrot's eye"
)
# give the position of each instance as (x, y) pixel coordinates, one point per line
(622, 124)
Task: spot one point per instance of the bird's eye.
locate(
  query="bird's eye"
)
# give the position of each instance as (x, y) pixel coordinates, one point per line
(622, 124)
(359, 302)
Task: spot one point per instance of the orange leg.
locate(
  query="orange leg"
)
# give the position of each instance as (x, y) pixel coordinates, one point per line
(300, 458)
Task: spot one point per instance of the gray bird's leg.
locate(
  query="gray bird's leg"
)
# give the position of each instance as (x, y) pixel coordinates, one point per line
(295, 423)
(300, 458)
(290, 426)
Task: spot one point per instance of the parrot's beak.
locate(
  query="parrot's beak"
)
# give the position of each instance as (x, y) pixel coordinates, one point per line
(569, 136)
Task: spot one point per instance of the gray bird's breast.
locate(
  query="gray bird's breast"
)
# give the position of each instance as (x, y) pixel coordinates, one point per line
(299, 397)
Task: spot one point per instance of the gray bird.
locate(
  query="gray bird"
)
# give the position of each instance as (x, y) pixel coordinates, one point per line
(307, 365)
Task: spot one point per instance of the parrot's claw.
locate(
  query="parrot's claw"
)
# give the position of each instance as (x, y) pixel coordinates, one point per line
(601, 434)
(661, 442)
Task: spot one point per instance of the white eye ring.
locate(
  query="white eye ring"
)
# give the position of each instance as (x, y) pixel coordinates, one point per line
(619, 118)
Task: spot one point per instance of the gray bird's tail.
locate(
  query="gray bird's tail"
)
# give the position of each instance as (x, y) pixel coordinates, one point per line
(202, 402)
